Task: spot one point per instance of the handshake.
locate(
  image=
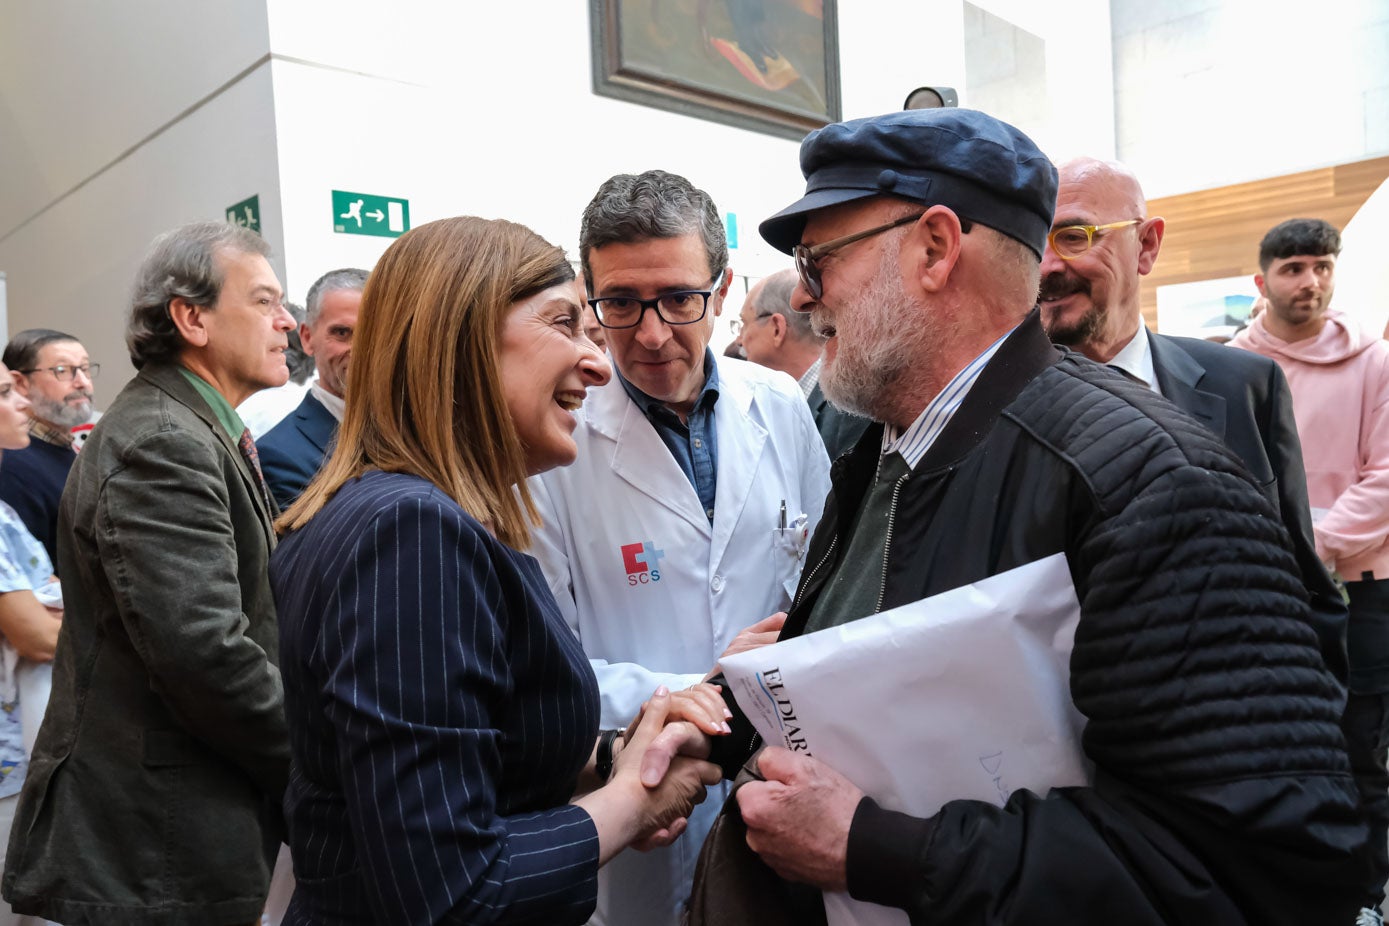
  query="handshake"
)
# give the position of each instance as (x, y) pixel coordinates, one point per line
(659, 768)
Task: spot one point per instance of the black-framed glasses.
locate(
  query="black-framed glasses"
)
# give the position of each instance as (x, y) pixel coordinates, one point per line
(807, 258)
(64, 373)
(682, 307)
(1071, 241)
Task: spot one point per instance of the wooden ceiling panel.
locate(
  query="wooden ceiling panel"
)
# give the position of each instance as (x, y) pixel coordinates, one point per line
(1213, 234)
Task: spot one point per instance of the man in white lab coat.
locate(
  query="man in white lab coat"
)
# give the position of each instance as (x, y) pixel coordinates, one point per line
(698, 481)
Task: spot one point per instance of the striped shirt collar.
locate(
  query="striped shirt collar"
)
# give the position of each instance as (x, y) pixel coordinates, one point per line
(913, 443)
(810, 378)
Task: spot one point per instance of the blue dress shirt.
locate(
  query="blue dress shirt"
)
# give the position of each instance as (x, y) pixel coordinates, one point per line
(693, 442)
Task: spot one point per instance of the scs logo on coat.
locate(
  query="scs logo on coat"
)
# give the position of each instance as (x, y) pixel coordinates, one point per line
(640, 560)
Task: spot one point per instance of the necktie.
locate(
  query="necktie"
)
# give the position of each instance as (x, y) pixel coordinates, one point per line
(247, 446)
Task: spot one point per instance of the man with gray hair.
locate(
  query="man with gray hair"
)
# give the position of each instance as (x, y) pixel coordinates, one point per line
(773, 334)
(154, 791)
(293, 450)
(710, 475)
(52, 370)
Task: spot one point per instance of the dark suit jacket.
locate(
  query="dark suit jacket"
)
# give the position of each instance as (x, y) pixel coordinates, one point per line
(292, 451)
(1244, 399)
(153, 796)
(840, 430)
(441, 712)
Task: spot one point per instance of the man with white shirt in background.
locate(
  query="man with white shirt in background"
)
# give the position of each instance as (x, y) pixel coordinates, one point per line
(293, 450)
(1102, 242)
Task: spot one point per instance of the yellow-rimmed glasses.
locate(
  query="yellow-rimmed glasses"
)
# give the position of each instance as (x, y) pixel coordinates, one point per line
(1071, 241)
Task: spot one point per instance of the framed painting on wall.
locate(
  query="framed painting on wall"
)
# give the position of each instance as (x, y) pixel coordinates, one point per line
(767, 65)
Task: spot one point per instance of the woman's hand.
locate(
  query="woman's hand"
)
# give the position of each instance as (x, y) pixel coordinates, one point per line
(625, 811)
(701, 704)
(668, 802)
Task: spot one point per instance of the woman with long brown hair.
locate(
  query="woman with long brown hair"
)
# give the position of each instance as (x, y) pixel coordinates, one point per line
(441, 714)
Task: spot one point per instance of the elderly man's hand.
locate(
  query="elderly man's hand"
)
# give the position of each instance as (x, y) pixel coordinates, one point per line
(798, 818)
(751, 637)
(677, 739)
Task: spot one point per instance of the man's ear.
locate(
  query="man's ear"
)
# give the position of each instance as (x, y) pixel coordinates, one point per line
(189, 320)
(778, 323)
(1259, 282)
(934, 243)
(1149, 243)
(21, 383)
(306, 339)
(721, 290)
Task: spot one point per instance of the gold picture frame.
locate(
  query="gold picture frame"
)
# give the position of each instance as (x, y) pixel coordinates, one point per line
(766, 65)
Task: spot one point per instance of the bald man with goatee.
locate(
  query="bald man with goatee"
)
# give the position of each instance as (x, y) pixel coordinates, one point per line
(1102, 241)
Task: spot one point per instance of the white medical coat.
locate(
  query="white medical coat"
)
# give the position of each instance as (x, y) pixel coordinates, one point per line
(662, 610)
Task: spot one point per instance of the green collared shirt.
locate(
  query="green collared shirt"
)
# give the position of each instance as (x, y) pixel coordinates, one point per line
(221, 408)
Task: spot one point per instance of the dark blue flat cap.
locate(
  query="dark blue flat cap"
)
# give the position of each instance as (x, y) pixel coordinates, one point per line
(983, 169)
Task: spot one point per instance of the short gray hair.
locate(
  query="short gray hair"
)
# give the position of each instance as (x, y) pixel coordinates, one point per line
(301, 365)
(655, 204)
(348, 278)
(180, 264)
(774, 298)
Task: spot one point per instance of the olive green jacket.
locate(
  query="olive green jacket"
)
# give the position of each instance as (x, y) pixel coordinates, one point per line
(153, 795)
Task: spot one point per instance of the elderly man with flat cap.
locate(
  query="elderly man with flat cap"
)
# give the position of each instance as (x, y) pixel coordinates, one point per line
(1220, 788)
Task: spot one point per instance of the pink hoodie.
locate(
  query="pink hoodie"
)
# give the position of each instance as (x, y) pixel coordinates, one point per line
(1340, 386)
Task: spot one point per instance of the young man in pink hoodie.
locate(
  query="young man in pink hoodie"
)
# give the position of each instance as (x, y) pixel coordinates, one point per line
(1339, 376)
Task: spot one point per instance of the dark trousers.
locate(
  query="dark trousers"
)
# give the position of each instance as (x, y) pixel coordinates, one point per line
(1366, 723)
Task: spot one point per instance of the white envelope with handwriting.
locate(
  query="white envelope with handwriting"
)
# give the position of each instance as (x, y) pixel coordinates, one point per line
(963, 695)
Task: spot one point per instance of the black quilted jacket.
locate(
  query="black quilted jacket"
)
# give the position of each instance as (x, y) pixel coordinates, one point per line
(1222, 793)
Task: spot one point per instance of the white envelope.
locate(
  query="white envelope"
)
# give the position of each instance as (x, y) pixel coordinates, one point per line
(963, 695)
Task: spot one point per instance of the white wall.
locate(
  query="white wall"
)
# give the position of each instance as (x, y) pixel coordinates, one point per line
(1214, 92)
(117, 121)
(435, 103)
(168, 111)
(82, 82)
(71, 267)
(1076, 113)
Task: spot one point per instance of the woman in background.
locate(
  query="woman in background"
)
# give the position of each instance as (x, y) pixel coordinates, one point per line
(28, 625)
(441, 713)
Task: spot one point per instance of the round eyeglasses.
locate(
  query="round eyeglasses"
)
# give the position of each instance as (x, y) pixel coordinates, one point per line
(64, 373)
(1071, 241)
(681, 307)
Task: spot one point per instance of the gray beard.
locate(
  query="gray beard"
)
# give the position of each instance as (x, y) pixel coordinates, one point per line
(60, 413)
(863, 378)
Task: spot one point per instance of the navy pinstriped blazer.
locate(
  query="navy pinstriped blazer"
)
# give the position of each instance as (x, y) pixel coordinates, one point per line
(439, 711)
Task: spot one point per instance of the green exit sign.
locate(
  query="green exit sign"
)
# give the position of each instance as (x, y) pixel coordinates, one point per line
(365, 214)
(246, 214)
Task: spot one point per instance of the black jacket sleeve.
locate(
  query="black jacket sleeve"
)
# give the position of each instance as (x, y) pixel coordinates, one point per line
(1221, 791)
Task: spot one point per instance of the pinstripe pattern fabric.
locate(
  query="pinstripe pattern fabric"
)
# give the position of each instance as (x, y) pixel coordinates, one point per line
(439, 711)
(913, 443)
